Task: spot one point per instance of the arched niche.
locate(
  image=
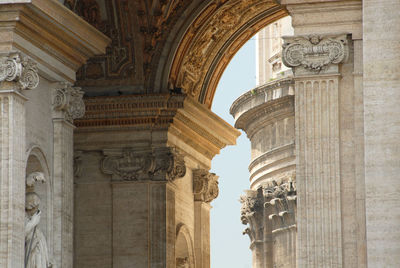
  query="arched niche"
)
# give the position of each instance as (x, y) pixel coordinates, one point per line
(36, 162)
(184, 252)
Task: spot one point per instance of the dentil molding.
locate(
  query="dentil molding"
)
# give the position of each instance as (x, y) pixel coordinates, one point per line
(20, 69)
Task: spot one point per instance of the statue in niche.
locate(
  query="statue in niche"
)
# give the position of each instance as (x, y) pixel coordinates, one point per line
(182, 262)
(36, 252)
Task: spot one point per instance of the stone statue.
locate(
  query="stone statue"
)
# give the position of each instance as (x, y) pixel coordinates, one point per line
(182, 262)
(36, 252)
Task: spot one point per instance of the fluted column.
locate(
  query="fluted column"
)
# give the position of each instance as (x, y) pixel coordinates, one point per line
(67, 106)
(17, 73)
(315, 61)
(205, 190)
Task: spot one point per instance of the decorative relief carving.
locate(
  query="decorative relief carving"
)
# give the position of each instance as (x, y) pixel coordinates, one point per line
(136, 165)
(314, 53)
(280, 202)
(250, 202)
(205, 185)
(22, 70)
(273, 205)
(137, 29)
(68, 100)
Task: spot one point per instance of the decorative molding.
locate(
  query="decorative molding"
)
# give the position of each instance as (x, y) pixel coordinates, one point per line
(68, 100)
(315, 54)
(205, 185)
(144, 164)
(19, 69)
(139, 111)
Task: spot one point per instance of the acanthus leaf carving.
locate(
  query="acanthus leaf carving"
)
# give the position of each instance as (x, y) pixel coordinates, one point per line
(144, 164)
(251, 213)
(20, 69)
(315, 53)
(205, 185)
(69, 101)
(281, 202)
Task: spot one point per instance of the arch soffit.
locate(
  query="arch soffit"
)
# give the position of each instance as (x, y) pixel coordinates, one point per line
(211, 41)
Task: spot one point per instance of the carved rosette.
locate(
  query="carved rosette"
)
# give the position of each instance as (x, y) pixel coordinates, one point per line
(19, 69)
(69, 102)
(205, 185)
(315, 54)
(138, 165)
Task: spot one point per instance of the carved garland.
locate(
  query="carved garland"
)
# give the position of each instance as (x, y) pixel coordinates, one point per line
(137, 165)
(205, 185)
(314, 53)
(22, 70)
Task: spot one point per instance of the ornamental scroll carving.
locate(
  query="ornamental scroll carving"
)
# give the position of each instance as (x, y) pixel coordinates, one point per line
(315, 53)
(205, 185)
(68, 101)
(143, 164)
(20, 69)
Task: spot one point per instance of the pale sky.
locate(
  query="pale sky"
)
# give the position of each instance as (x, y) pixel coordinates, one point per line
(229, 247)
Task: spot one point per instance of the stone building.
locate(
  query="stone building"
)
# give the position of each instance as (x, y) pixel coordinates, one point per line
(266, 114)
(107, 135)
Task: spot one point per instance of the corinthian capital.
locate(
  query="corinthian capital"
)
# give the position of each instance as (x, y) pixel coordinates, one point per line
(315, 54)
(68, 102)
(19, 69)
(205, 185)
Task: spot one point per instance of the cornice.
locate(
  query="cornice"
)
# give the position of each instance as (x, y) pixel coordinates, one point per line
(256, 118)
(45, 28)
(182, 117)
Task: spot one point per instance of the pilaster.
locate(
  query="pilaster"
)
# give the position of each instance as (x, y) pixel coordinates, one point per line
(17, 73)
(205, 190)
(67, 106)
(315, 61)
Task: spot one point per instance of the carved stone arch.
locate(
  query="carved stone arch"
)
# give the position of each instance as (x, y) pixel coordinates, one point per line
(184, 245)
(36, 161)
(211, 41)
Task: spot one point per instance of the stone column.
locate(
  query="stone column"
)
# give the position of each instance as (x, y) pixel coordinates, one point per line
(315, 61)
(17, 73)
(205, 189)
(67, 106)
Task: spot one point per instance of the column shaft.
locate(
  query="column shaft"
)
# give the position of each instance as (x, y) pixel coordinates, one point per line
(63, 192)
(12, 178)
(318, 172)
